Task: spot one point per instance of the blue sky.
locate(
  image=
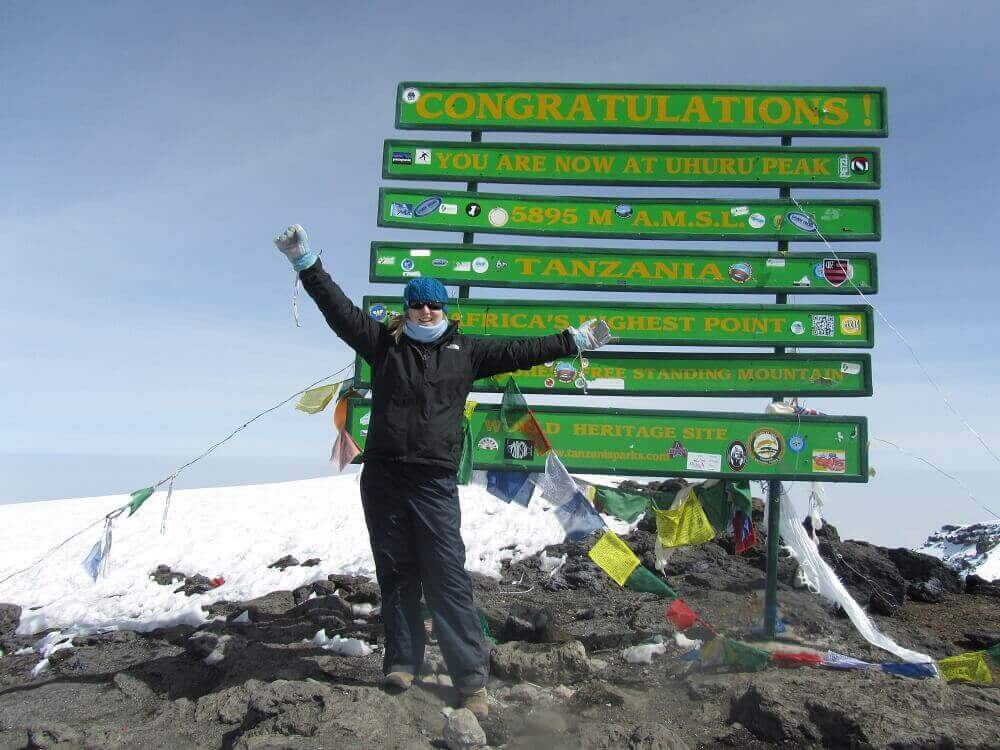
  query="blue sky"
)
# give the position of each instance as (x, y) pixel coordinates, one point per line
(150, 152)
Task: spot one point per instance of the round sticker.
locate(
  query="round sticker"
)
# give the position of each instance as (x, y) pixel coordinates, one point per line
(427, 206)
(623, 211)
(498, 216)
(411, 95)
(797, 328)
(736, 455)
(766, 445)
(756, 221)
(549, 382)
(378, 312)
(584, 362)
(818, 270)
(801, 221)
(565, 372)
(488, 444)
(580, 383)
(480, 264)
(473, 210)
(407, 264)
(796, 443)
(740, 273)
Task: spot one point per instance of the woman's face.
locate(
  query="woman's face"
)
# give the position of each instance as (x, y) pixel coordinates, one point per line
(424, 316)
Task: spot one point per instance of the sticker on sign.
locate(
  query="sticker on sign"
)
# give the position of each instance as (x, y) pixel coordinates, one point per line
(704, 461)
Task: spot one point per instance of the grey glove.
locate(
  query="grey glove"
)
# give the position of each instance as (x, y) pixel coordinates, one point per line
(591, 335)
(294, 243)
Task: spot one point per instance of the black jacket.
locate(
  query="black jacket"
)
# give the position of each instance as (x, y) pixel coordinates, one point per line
(419, 390)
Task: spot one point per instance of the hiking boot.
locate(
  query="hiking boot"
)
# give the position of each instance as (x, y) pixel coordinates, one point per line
(478, 703)
(398, 681)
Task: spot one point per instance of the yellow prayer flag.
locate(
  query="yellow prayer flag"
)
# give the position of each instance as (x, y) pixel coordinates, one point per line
(614, 557)
(315, 400)
(686, 524)
(470, 406)
(970, 667)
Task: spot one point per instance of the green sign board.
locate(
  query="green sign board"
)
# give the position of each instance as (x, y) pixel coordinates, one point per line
(744, 166)
(605, 373)
(630, 218)
(625, 270)
(616, 108)
(669, 443)
(662, 324)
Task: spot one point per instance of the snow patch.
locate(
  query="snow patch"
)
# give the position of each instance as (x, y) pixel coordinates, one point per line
(341, 646)
(643, 653)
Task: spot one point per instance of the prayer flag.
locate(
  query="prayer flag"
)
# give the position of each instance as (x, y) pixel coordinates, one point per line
(625, 506)
(740, 657)
(796, 659)
(557, 485)
(683, 525)
(681, 615)
(516, 486)
(315, 400)
(744, 533)
(345, 450)
(838, 661)
(969, 667)
(578, 517)
(515, 416)
(465, 461)
(643, 580)
(919, 671)
(92, 563)
(138, 498)
(716, 503)
(614, 557)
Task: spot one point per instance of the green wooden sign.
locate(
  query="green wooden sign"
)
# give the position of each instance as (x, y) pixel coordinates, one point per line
(744, 166)
(631, 218)
(604, 373)
(662, 324)
(625, 270)
(669, 443)
(617, 108)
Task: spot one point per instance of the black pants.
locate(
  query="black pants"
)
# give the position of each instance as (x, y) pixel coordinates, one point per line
(414, 522)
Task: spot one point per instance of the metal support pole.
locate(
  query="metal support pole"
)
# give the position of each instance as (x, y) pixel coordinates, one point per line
(774, 488)
(468, 237)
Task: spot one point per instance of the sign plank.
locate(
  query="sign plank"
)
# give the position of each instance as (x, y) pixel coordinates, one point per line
(669, 443)
(567, 164)
(630, 218)
(663, 324)
(617, 108)
(625, 270)
(604, 373)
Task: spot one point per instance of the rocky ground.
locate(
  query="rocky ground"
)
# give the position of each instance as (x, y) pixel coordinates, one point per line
(254, 678)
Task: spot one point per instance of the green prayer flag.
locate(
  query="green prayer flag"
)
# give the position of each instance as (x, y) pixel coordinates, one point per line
(718, 506)
(625, 506)
(465, 462)
(486, 627)
(138, 498)
(738, 656)
(643, 579)
(513, 406)
(739, 495)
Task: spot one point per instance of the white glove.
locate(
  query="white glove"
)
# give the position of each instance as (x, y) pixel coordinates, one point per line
(294, 243)
(591, 335)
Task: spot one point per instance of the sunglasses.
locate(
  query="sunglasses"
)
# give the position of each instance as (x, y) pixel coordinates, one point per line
(430, 305)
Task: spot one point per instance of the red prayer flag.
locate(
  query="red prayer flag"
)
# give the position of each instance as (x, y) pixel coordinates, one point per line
(681, 615)
(796, 659)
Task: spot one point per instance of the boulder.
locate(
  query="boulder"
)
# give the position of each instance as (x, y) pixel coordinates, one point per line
(928, 592)
(917, 567)
(976, 585)
(462, 731)
(269, 607)
(10, 618)
(545, 663)
(870, 576)
(288, 561)
(531, 624)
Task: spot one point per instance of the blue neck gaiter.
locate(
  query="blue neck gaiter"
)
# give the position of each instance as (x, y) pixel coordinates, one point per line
(425, 334)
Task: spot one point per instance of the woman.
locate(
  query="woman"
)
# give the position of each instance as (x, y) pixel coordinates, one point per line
(423, 369)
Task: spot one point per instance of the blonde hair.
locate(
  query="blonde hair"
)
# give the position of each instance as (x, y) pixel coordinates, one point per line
(395, 326)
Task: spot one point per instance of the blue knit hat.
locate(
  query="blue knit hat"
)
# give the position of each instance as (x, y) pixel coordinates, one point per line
(424, 289)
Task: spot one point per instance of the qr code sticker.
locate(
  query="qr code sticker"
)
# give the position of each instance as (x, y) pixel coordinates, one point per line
(822, 325)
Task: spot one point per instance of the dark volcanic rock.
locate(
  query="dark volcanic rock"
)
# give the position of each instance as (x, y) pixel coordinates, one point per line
(270, 606)
(285, 562)
(323, 606)
(312, 562)
(976, 585)
(531, 624)
(868, 573)
(164, 576)
(979, 640)
(929, 592)
(10, 617)
(196, 584)
(51, 735)
(917, 567)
